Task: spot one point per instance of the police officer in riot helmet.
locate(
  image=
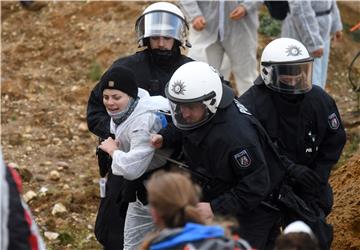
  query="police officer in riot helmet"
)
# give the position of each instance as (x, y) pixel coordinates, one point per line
(162, 30)
(226, 150)
(303, 122)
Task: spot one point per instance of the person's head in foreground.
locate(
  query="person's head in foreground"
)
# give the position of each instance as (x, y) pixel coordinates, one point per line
(173, 197)
(196, 92)
(297, 236)
(286, 66)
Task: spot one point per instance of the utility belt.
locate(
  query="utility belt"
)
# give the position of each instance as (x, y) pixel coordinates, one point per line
(272, 201)
(323, 13)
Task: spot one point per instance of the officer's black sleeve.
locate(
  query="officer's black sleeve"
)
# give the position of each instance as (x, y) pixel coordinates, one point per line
(331, 147)
(97, 117)
(172, 136)
(253, 180)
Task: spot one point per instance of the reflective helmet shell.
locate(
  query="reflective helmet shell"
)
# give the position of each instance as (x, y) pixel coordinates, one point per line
(195, 82)
(285, 53)
(162, 19)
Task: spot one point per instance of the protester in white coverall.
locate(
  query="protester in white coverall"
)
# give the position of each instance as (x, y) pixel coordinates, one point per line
(225, 27)
(314, 23)
(133, 119)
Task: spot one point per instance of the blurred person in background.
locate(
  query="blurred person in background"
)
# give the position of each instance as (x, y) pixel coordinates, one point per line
(315, 24)
(223, 32)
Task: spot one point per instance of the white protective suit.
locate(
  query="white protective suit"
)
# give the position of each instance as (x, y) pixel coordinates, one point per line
(135, 157)
(236, 38)
(310, 23)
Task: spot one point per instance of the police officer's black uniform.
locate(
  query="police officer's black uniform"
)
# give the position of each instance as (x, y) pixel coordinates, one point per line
(234, 153)
(308, 130)
(152, 70)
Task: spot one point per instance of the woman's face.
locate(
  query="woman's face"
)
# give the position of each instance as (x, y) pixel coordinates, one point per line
(115, 100)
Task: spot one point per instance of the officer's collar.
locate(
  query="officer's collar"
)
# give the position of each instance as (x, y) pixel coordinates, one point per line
(198, 135)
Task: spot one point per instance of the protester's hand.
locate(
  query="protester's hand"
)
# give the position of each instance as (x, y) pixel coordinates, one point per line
(199, 23)
(337, 36)
(318, 52)
(109, 145)
(205, 211)
(156, 140)
(238, 13)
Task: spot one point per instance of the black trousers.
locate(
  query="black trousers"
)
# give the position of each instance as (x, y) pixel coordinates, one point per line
(110, 220)
(260, 227)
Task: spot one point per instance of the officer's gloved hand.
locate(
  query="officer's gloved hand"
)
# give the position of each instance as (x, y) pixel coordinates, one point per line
(305, 177)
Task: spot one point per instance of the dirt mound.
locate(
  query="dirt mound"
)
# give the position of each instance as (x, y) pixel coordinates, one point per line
(346, 211)
(50, 60)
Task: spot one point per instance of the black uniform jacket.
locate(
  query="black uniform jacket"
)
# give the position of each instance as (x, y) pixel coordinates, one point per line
(235, 153)
(309, 132)
(149, 76)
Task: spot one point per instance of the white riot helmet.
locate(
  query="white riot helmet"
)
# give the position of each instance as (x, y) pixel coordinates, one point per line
(286, 66)
(196, 86)
(162, 19)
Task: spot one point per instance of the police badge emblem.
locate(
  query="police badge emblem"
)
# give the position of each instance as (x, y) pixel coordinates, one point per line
(293, 50)
(178, 87)
(334, 122)
(243, 159)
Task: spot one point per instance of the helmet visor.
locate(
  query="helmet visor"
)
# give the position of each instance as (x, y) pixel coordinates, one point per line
(292, 78)
(188, 116)
(160, 24)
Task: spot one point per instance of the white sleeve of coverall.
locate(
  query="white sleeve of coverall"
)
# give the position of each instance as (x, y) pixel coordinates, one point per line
(304, 19)
(134, 163)
(336, 24)
(251, 5)
(191, 9)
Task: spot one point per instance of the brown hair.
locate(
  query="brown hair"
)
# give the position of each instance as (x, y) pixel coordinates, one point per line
(296, 241)
(174, 197)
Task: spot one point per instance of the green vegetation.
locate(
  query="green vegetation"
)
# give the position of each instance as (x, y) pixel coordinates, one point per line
(351, 147)
(269, 26)
(65, 239)
(95, 71)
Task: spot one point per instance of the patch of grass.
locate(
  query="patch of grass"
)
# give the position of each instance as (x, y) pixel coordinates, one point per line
(269, 26)
(95, 71)
(65, 239)
(351, 147)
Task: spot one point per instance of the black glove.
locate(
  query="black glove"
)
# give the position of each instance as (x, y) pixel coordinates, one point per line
(305, 177)
(104, 161)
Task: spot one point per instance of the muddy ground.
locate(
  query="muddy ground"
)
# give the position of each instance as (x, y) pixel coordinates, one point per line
(50, 59)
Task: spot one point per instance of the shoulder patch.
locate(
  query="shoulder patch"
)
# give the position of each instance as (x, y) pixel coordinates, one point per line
(333, 121)
(241, 108)
(243, 159)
